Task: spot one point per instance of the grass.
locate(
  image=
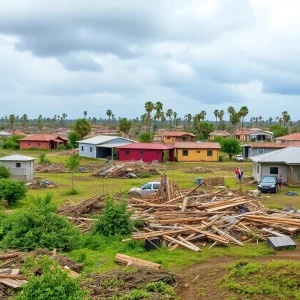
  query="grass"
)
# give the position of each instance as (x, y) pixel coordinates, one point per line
(279, 279)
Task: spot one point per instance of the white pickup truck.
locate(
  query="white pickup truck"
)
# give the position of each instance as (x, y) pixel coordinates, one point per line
(147, 188)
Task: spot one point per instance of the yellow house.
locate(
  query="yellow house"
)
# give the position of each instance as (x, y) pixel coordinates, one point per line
(193, 151)
(223, 134)
(170, 137)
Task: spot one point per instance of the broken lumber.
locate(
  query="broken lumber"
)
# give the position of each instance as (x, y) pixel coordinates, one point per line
(129, 260)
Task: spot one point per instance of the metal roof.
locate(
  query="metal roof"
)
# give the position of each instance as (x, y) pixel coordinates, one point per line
(17, 157)
(289, 156)
(100, 139)
(112, 145)
(4, 133)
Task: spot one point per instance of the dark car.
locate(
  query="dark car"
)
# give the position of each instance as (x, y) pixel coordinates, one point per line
(268, 184)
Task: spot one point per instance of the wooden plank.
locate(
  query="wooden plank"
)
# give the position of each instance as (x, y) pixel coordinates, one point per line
(125, 259)
(188, 246)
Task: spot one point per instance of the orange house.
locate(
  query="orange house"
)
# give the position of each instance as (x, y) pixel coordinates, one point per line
(178, 136)
(43, 141)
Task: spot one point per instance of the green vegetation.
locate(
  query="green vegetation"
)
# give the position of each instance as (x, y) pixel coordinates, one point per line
(4, 172)
(145, 137)
(73, 138)
(43, 159)
(279, 130)
(53, 283)
(12, 191)
(82, 127)
(38, 226)
(231, 146)
(115, 220)
(279, 279)
(72, 164)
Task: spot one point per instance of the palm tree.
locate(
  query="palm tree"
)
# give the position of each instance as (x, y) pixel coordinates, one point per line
(163, 119)
(231, 111)
(216, 113)
(202, 115)
(286, 117)
(256, 121)
(189, 119)
(24, 119)
(280, 121)
(270, 120)
(144, 119)
(12, 120)
(260, 118)
(85, 114)
(158, 106)
(94, 120)
(149, 106)
(109, 113)
(169, 114)
(277, 119)
(243, 113)
(40, 122)
(221, 115)
(175, 118)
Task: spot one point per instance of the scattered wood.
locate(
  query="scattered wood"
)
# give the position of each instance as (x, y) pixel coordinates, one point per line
(129, 260)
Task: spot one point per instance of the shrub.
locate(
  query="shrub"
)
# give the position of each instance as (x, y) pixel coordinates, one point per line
(145, 137)
(221, 158)
(4, 172)
(61, 147)
(145, 175)
(53, 283)
(10, 144)
(43, 159)
(12, 191)
(74, 138)
(115, 220)
(38, 227)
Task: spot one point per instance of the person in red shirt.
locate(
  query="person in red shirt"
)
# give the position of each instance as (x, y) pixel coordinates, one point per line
(237, 172)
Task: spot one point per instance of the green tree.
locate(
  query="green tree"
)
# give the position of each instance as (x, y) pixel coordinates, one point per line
(216, 113)
(109, 113)
(145, 137)
(189, 118)
(12, 121)
(243, 112)
(221, 116)
(158, 107)
(4, 172)
(73, 138)
(72, 164)
(285, 117)
(149, 106)
(24, 120)
(82, 127)
(40, 122)
(125, 125)
(85, 114)
(231, 146)
(175, 118)
(169, 114)
(12, 191)
(234, 119)
(278, 130)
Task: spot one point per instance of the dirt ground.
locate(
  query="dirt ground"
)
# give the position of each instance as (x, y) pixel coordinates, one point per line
(206, 286)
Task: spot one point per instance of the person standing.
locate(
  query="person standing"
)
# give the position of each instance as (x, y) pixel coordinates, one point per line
(236, 172)
(280, 181)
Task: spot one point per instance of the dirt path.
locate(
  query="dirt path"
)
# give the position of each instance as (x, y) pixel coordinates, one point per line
(206, 286)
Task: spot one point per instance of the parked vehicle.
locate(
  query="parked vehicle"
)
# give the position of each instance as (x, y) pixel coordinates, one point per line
(268, 184)
(239, 158)
(147, 188)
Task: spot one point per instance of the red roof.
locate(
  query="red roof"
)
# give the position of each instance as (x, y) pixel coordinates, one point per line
(146, 146)
(177, 133)
(290, 137)
(43, 137)
(195, 145)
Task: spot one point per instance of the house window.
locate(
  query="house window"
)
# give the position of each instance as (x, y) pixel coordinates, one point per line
(198, 151)
(81, 148)
(257, 169)
(168, 137)
(185, 152)
(127, 152)
(29, 144)
(141, 152)
(39, 144)
(260, 151)
(274, 170)
(91, 149)
(18, 165)
(209, 153)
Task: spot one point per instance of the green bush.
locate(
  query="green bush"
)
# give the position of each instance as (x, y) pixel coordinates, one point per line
(74, 138)
(12, 190)
(221, 158)
(43, 159)
(10, 144)
(145, 175)
(53, 283)
(38, 226)
(4, 172)
(115, 220)
(61, 147)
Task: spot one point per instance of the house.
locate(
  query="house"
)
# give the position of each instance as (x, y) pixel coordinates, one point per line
(253, 135)
(257, 148)
(21, 167)
(219, 133)
(170, 137)
(102, 146)
(147, 152)
(288, 139)
(43, 141)
(284, 161)
(4, 134)
(197, 151)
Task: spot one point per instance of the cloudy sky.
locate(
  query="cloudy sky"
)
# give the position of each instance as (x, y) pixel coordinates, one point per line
(67, 56)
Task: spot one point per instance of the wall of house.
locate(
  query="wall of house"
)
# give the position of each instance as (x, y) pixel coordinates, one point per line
(184, 138)
(197, 155)
(137, 154)
(87, 150)
(261, 170)
(34, 144)
(254, 151)
(25, 172)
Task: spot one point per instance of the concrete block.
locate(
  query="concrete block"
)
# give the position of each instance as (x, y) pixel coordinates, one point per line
(281, 242)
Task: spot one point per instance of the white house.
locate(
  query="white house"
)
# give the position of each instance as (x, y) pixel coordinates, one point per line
(284, 161)
(21, 167)
(5, 134)
(102, 146)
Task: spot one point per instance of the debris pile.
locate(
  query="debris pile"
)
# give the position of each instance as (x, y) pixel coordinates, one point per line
(190, 218)
(50, 168)
(11, 277)
(40, 184)
(118, 283)
(199, 170)
(80, 214)
(129, 169)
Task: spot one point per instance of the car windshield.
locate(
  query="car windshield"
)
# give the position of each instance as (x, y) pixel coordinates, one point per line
(269, 179)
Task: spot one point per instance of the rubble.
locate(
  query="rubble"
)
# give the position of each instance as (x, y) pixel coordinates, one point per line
(126, 170)
(199, 170)
(39, 184)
